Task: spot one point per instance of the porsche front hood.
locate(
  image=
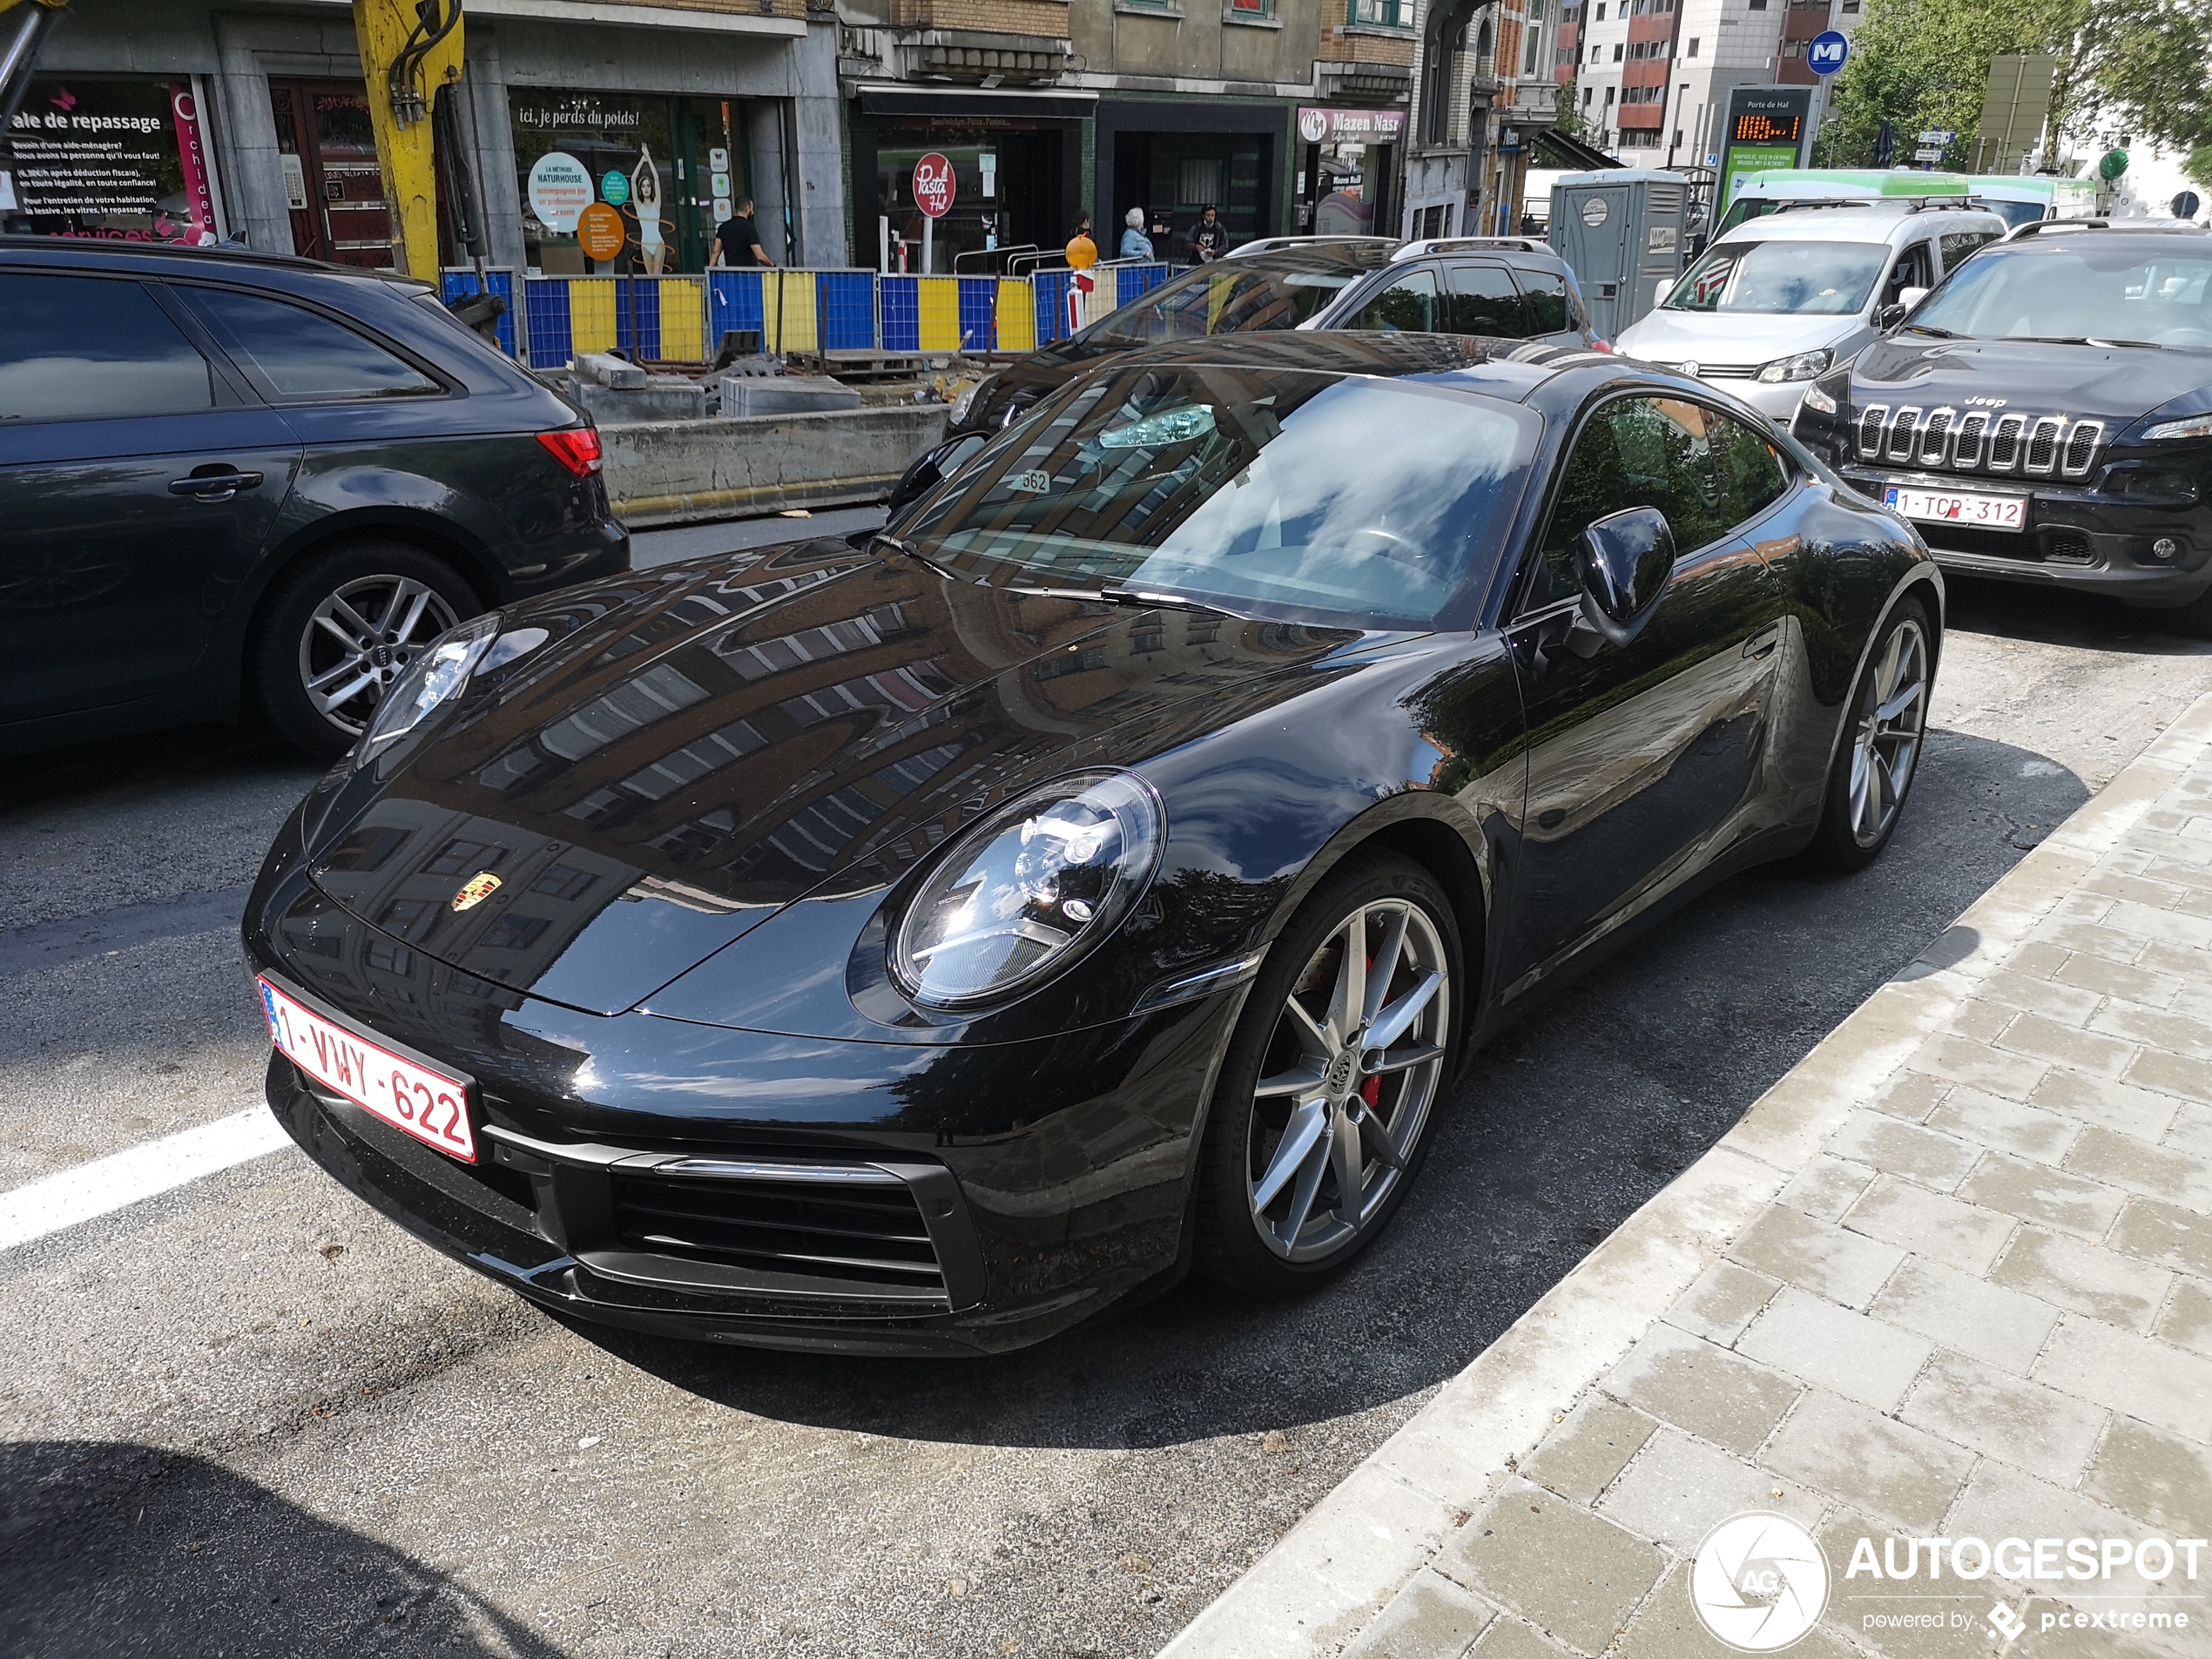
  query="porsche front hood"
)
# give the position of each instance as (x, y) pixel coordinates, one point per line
(582, 827)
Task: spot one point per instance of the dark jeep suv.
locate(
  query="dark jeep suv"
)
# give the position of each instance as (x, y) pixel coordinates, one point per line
(230, 480)
(2045, 415)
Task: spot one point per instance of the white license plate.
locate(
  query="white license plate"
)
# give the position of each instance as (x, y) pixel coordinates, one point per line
(406, 1093)
(1959, 506)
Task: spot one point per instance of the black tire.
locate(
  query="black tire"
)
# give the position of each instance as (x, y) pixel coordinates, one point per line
(1399, 1107)
(1855, 828)
(291, 646)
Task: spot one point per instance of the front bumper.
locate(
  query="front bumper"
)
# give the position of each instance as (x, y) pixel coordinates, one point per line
(737, 1186)
(1776, 400)
(2073, 537)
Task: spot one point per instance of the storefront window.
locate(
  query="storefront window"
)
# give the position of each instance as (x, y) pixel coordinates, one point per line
(113, 157)
(669, 168)
(1349, 156)
(1005, 174)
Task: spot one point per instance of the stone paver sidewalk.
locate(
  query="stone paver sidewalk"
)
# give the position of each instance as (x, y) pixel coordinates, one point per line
(1950, 1279)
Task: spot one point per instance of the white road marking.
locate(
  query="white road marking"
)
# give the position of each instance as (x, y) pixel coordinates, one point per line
(104, 1186)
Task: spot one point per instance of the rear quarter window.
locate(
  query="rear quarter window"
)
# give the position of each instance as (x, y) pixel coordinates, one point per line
(298, 355)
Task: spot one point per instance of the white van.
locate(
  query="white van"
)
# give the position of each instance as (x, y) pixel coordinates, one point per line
(1780, 300)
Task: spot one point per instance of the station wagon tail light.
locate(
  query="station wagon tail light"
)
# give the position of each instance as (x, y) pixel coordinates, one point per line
(575, 448)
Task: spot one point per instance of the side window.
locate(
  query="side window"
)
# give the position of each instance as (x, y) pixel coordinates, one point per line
(1551, 307)
(298, 355)
(89, 349)
(1913, 269)
(1706, 472)
(1407, 304)
(1959, 245)
(1484, 301)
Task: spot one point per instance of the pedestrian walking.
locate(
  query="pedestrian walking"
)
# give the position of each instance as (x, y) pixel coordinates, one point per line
(737, 241)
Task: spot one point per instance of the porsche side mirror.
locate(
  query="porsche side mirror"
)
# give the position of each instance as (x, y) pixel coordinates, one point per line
(1889, 316)
(929, 470)
(1625, 561)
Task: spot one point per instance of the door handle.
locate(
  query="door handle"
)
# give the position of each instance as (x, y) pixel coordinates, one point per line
(210, 486)
(1762, 643)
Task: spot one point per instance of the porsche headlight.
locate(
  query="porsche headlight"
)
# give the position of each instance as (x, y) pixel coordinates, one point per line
(1806, 365)
(1028, 892)
(438, 676)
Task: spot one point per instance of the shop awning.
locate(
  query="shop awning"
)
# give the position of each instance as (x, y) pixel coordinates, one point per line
(1069, 105)
(623, 14)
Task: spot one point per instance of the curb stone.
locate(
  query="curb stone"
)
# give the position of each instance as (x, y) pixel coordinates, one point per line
(1323, 1585)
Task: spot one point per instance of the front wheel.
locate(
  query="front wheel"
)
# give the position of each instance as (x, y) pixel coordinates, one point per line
(1885, 727)
(1332, 1075)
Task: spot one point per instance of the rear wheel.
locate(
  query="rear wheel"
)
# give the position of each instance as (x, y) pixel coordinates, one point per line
(1319, 1119)
(341, 628)
(1879, 756)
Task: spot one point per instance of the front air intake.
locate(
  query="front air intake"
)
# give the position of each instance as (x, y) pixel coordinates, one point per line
(863, 1230)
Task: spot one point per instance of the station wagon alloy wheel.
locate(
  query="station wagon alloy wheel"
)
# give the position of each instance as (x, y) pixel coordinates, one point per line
(362, 637)
(1887, 743)
(1350, 1074)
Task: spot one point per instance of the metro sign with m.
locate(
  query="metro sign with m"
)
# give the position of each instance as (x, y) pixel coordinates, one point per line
(1826, 53)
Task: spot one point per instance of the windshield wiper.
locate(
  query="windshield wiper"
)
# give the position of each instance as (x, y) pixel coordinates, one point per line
(899, 548)
(1929, 328)
(2080, 340)
(1127, 597)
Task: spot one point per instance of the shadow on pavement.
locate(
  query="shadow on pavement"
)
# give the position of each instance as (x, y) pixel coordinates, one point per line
(2065, 617)
(116, 1550)
(1564, 1126)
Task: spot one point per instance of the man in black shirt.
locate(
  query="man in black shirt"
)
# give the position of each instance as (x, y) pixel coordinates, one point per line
(1209, 238)
(738, 242)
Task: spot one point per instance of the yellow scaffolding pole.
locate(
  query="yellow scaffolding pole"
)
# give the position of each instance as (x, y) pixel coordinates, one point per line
(408, 51)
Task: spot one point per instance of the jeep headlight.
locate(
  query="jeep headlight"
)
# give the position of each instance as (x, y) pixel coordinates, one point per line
(2197, 426)
(963, 403)
(1806, 365)
(1026, 893)
(1818, 401)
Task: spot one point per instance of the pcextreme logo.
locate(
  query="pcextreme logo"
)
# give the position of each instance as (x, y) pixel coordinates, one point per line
(1759, 1581)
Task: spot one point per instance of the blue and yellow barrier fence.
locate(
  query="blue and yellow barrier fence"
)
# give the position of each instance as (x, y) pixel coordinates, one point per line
(682, 319)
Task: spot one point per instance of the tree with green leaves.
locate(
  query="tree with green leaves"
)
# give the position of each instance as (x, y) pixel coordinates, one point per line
(1923, 64)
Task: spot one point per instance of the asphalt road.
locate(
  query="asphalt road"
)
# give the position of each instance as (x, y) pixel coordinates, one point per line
(249, 1417)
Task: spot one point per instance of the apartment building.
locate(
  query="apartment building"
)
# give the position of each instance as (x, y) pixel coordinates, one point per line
(1485, 85)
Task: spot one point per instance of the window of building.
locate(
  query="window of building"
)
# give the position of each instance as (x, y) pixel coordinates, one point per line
(1601, 10)
(1249, 9)
(1382, 14)
(1588, 92)
(1616, 52)
(1608, 97)
(1692, 52)
(1534, 34)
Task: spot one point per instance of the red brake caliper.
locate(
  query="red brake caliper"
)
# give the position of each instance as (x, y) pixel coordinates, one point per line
(1370, 1090)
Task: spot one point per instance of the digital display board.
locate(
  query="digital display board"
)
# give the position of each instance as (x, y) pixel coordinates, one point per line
(1759, 128)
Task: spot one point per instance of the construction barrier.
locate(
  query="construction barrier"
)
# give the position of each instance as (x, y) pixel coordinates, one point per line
(682, 319)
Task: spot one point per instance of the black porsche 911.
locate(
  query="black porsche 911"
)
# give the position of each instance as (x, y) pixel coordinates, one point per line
(1107, 872)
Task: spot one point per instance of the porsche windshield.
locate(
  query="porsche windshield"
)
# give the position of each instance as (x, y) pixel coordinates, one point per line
(1821, 279)
(1311, 496)
(1229, 298)
(2086, 290)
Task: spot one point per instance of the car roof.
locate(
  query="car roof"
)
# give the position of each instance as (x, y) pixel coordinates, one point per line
(174, 258)
(1510, 370)
(1502, 247)
(1872, 220)
(2168, 236)
(1365, 254)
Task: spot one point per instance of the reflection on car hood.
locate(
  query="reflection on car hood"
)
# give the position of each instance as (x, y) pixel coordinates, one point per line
(1733, 338)
(675, 769)
(2110, 384)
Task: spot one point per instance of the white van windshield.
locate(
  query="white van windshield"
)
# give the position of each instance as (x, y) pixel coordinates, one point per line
(1823, 279)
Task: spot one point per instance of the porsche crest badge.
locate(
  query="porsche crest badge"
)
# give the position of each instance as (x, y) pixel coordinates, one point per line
(479, 887)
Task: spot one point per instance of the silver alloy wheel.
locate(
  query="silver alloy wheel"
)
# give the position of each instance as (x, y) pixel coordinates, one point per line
(360, 638)
(1349, 1076)
(1886, 746)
